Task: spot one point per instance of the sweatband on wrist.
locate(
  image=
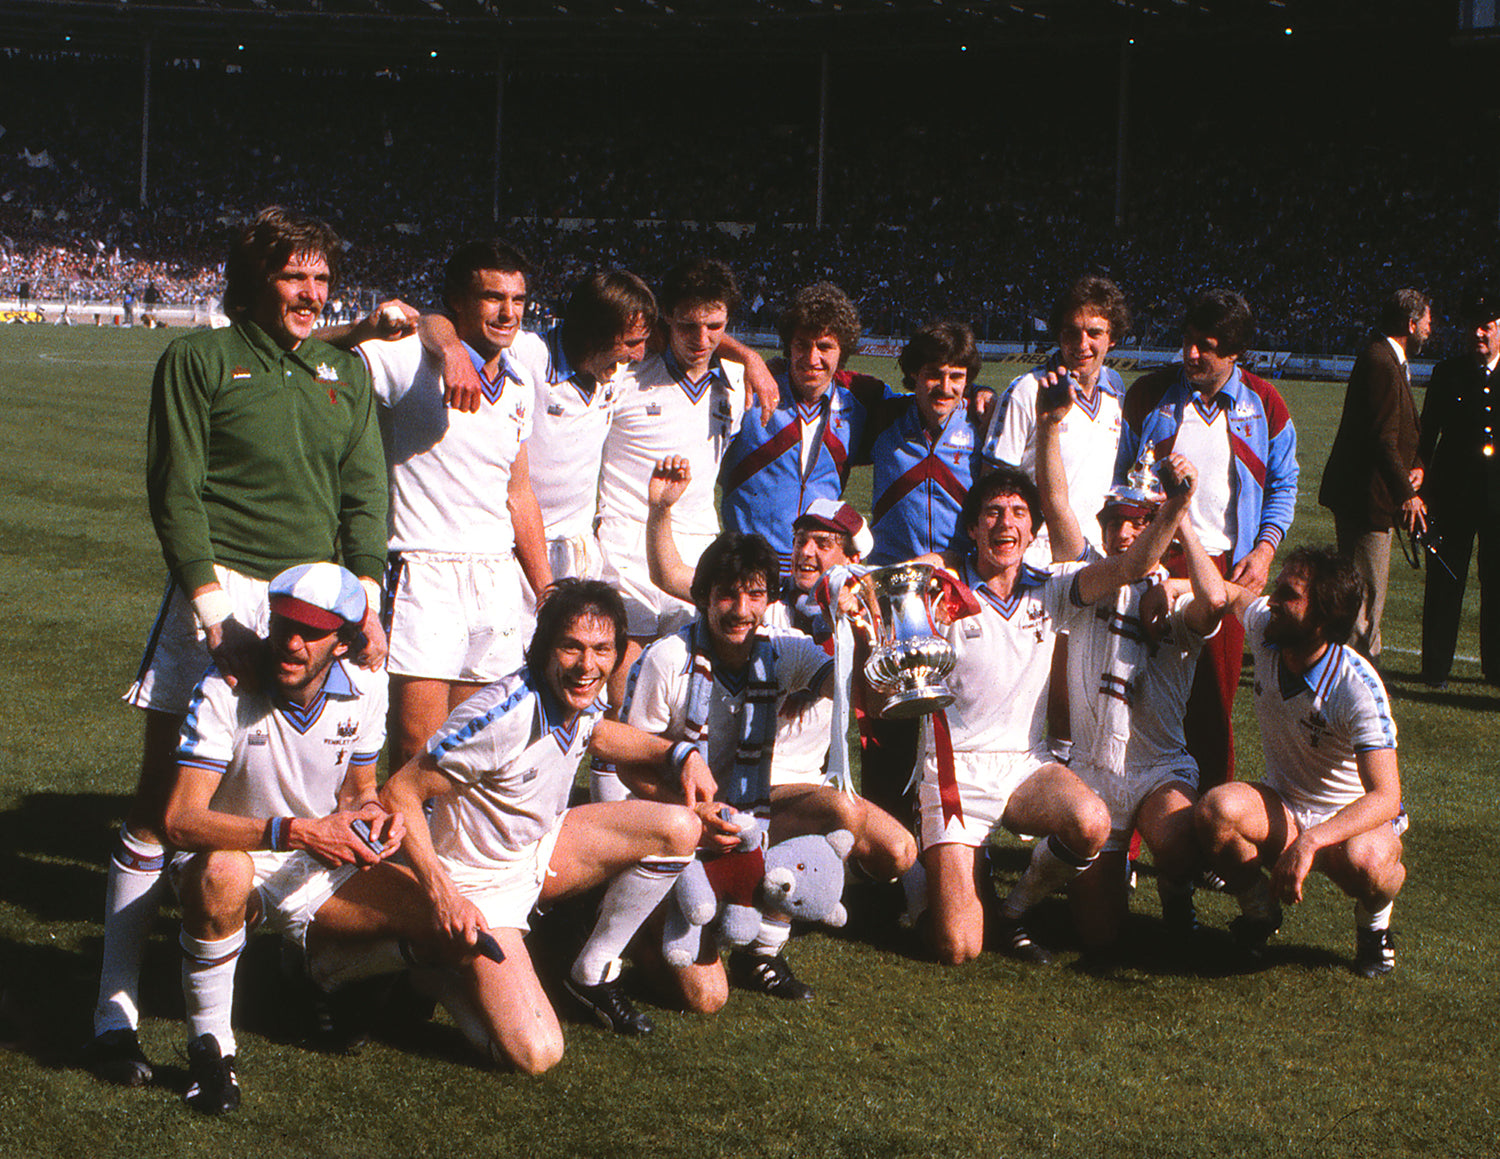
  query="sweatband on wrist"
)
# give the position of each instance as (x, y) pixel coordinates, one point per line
(212, 607)
(373, 592)
(678, 754)
(279, 832)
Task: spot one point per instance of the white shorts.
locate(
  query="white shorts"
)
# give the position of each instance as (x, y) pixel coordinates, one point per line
(984, 782)
(458, 617)
(176, 656)
(292, 886)
(506, 892)
(1305, 817)
(578, 556)
(649, 612)
(1123, 793)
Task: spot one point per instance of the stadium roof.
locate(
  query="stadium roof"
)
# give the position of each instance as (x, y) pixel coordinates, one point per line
(480, 27)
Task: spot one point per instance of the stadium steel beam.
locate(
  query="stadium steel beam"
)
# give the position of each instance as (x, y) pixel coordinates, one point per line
(145, 118)
(1122, 121)
(499, 126)
(822, 139)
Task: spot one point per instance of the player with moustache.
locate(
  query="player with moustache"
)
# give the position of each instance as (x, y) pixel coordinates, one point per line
(1331, 796)
(467, 546)
(829, 534)
(490, 835)
(275, 817)
(984, 763)
(720, 683)
(1129, 671)
(235, 501)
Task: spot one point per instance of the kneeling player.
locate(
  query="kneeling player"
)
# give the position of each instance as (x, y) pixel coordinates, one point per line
(275, 810)
(1130, 668)
(500, 838)
(1331, 797)
(985, 762)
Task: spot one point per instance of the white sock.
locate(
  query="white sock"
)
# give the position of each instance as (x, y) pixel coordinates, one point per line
(449, 989)
(1366, 919)
(628, 902)
(337, 962)
(1052, 866)
(208, 986)
(914, 885)
(772, 938)
(1256, 900)
(605, 783)
(131, 898)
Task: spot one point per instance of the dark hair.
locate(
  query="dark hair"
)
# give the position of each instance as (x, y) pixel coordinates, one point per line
(1098, 295)
(263, 247)
(1335, 589)
(602, 308)
(699, 282)
(733, 558)
(822, 308)
(943, 343)
(565, 601)
(1223, 315)
(1003, 480)
(481, 254)
(1401, 311)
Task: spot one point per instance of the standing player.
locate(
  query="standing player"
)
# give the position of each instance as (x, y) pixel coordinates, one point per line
(1129, 670)
(926, 456)
(776, 467)
(983, 761)
(684, 402)
(235, 501)
(500, 838)
(1088, 320)
(576, 367)
(1331, 797)
(1235, 428)
(466, 532)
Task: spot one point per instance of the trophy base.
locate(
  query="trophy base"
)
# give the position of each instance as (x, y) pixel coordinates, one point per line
(910, 703)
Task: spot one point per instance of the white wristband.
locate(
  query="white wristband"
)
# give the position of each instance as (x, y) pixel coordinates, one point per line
(212, 607)
(373, 594)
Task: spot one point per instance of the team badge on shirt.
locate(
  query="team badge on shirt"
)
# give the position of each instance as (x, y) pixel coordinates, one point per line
(326, 373)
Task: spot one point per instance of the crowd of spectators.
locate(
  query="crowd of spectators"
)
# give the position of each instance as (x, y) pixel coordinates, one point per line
(974, 218)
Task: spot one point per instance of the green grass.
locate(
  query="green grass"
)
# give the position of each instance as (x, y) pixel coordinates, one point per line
(896, 1057)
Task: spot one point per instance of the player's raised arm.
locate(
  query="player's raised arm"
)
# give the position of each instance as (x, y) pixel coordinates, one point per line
(1051, 476)
(669, 481)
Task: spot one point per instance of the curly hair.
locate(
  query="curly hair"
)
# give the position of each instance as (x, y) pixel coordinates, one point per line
(822, 308)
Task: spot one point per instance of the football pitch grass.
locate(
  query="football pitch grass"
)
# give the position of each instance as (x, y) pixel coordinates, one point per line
(1153, 1055)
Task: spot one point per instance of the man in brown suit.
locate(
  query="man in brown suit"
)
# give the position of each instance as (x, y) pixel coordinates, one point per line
(1373, 470)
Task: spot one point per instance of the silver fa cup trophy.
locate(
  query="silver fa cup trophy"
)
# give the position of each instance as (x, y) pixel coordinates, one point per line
(909, 663)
